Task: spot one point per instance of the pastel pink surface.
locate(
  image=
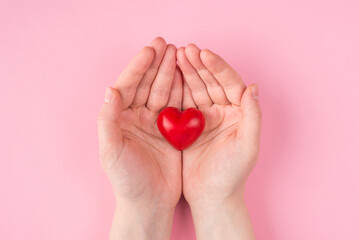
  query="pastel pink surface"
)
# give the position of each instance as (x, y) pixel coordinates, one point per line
(57, 57)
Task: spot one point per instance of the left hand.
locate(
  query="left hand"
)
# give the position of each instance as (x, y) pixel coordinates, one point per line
(143, 168)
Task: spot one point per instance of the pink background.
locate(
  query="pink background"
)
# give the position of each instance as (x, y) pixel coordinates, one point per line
(57, 57)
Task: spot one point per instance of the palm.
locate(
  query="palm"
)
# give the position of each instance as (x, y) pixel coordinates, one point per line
(209, 162)
(152, 166)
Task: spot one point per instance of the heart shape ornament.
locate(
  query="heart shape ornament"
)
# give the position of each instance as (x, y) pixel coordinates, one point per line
(180, 129)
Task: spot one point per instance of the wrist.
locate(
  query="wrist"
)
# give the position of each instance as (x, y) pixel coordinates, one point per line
(215, 206)
(210, 200)
(225, 219)
(141, 221)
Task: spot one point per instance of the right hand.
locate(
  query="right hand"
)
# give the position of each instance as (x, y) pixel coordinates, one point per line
(216, 166)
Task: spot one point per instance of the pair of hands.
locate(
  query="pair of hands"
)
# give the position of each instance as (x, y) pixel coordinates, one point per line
(148, 175)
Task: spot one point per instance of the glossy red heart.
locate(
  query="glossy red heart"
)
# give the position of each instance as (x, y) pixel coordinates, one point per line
(181, 129)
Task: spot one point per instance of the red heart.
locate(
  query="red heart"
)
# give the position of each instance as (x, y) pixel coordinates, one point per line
(180, 129)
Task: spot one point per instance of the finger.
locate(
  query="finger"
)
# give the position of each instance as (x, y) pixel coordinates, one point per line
(131, 76)
(194, 81)
(187, 100)
(226, 76)
(176, 92)
(214, 89)
(161, 86)
(143, 89)
(109, 131)
(250, 127)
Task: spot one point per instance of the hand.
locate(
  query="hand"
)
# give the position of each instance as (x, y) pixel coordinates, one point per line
(144, 170)
(216, 166)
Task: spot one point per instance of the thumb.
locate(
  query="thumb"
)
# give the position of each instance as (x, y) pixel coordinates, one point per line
(250, 127)
(109, 131)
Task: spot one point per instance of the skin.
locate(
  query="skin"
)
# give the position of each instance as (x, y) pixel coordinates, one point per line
(216, 166)
(147, 174)
(144, 170)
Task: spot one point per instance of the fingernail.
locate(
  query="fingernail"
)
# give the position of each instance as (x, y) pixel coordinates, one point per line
(108, 95)
(255, 92)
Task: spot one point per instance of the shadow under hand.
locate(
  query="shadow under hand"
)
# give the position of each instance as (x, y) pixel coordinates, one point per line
(183, 228)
